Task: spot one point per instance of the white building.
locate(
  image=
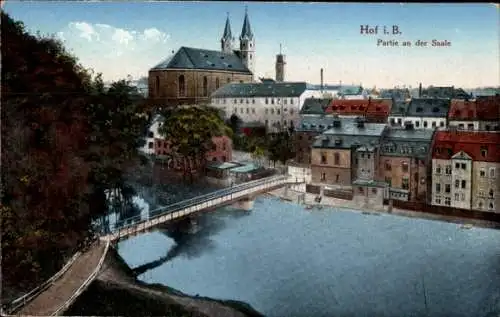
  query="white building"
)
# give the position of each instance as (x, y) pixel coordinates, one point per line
(461, 177)
(273, 104)
(153, 134)
(423, 113)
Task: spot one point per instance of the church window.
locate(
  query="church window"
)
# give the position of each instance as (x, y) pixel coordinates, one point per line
(291, 101)
(182, 86)
(205, 86)
(157, 85)
(217, 83)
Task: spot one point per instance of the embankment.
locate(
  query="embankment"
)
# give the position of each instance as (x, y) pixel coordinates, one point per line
(117, 292)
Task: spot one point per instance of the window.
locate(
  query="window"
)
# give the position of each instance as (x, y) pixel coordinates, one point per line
(157, 85)
(405, 184)
(470, 126)
(150, 145)
(235, 101)
(323, 158)
(433, 124)
(482, 172)
(182, 86)
(369, 155)
(484, 151)
(247, 101)
(448, 170)
(151, 134)
(388, 180)
(241, 110)
(217, 83)
(491, 193)
(362, 155)
(461, 126)
(457, 165)
(223, 158)
(464, 183)
(462, 196)
(336, 159)
(228, 80)
(438, 200)
(374, 191)
(267, 101)
(278, 111)
(388, 165)
(438, 188)
(447, 188)
(272, 101)
(285, 101)
(457, 184)
(291, 111)
(492, 172)
(266, 111)
(438, 169)
(441, 124)
(253, 110)
(447, 201)
(272, 111)
(480, 204)
(241, 101)
(235, 110)
(337, 178)
(248, 110)
(405, 167)
(417, 124)
(464, 166)
(267, 122)
(491, 206)
(425, 124)
(457, 197)
(361, 190)
(323, 176)
(253, 101)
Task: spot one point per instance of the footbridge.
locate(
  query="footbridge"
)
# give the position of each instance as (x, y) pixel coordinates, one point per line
(242, 194)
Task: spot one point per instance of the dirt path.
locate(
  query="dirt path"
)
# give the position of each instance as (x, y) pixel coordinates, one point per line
(58, 293)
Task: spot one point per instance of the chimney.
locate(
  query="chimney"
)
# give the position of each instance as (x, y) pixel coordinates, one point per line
(420, 90)
(321, 74)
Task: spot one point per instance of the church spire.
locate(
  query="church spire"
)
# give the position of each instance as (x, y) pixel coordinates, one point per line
(246, 31)
(227, 29)
(227, 37)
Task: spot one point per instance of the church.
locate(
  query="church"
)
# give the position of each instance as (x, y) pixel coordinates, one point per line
(190, 75)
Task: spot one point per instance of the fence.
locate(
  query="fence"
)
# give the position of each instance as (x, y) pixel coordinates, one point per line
(85, 284)
(23, 300)
(338, 193)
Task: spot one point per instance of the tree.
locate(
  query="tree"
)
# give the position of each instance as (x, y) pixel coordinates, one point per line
(235, 123)
(45, 211)
(281, 147)
(190, 131)
(258, 155)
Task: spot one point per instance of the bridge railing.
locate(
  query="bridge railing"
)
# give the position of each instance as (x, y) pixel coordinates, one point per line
(28, 297)
(85, 284)
(196, 201)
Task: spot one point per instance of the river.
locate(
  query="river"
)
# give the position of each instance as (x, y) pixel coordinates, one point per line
(287, 261)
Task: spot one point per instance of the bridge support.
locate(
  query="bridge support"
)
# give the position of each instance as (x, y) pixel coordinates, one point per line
(245, 203)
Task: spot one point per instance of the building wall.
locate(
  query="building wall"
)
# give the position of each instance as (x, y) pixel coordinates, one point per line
(223, 151)
(335, 174)
(397, 173)
(486, 177)
(441, 177)
(302, 144)
(461, 181)
(300, 173)
(420, 122)
(464, 125)
(368, 197)
(489, 125)
(366, 168)
(168, 92)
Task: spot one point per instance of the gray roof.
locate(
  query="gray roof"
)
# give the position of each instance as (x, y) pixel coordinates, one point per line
(428, 107)
(407, 142)
(445, 92)
(228, 35)
(316, 123)
(195, 58)
(351, 90)
(315, 105)
(349, 135)
(246, 30)
(276, 89)
(396, 93)
(399, 108)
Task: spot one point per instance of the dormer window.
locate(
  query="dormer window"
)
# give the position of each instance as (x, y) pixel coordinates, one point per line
(435, 109)
(484, 151)
(420, 109)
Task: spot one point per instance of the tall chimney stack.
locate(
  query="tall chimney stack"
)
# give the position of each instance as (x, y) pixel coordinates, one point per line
(420, 90)
(280, 67)
(322, 80)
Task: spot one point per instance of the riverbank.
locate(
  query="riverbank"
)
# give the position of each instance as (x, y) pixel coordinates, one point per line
(310, 203)
(117, 292)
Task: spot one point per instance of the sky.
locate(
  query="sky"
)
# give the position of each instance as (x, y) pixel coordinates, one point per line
(128, 38)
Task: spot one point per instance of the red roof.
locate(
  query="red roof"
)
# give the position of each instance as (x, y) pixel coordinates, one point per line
(448, 143)
(379, 107)
(462, 110)
(488, 108)
(348, 106)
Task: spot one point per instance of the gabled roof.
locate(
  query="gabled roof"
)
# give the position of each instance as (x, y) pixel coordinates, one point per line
(461, 109)
(447, 143)
(428, 107)
(379, 107)
(201, 59)
(348, 106)
(276, 89)
(461, 155)
(315, 105)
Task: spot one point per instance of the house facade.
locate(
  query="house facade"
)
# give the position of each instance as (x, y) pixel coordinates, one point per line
(488, 112)
(378, 110)
(463, 114)
(305, 133)
(465, 170)
(404, 163)
(273, 104)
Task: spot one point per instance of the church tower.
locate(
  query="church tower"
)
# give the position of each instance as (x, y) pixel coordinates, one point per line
(247, 45)
(227, 38)
(280, 67)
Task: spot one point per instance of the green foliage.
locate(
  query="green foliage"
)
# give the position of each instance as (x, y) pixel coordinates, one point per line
(281, 147)
(190, 131)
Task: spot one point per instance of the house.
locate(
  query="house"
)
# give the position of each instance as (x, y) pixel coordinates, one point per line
(463, 114)
(348, 107)
(152, 134)
(378, 110)
(444, 93)
(488, 112)
(404, 163)
(427, 113)
(274, 104)
(190, 75)
(465, 170)
(309, 127)
(398, 113)
(333, 154)
(315, 106)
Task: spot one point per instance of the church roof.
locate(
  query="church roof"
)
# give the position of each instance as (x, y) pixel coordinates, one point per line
(275, 89)
(246, 30)
(227, 30)
(201, 59)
